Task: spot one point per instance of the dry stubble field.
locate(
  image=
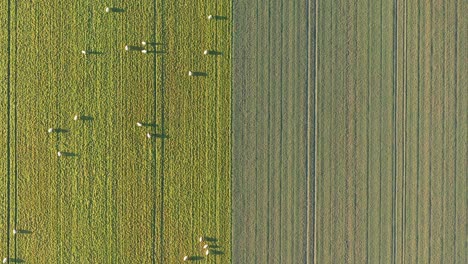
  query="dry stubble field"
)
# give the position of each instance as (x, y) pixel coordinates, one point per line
(368, 101)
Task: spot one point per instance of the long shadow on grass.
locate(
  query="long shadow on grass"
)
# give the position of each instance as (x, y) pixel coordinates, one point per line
(199, 74)
(14, 260)
(86, 118)
(210, 239)
(195, 258)
(23, 231)
(216, 252)
(116, 10)
(220, 17)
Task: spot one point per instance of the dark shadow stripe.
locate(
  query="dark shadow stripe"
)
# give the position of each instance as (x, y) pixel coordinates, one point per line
(8, 127)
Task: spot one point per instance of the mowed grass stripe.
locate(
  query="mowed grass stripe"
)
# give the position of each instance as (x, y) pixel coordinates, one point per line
(449, 220)
(261, 133)
(374, 210)
(438, 130)
(4, 126)
(424, 136)
(361, 130)
(324, 73)
(412, 154)
(387, 132)
(350, 130)
(244, 79)
(462, 131)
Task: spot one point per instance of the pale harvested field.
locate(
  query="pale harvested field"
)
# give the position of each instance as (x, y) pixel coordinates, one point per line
(387, 140)
(271, 130)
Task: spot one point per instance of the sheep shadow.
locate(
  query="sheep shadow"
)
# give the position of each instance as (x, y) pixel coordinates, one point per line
(94, 52)
(199, 74)
(133, 48)
(15, 260)
(220, 17)
(210, 239)
(157, 135)
(151, 43)
(23, 231)
(214, 53)
(86, 118)
(68, 154)
(213, 246)
(156, 51)
(58, 130)
(116, 10)
(149, 124)
(195, 258)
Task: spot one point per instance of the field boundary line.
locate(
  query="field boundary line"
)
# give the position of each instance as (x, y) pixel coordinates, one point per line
(395, 130)
(367, 134)
(163, 131)
(154, 156)
(418, 133)
(431, 91)
(405, 105)
(314, 189)
(456, 118)
(8, 125)
(16, 125)
(314, 234)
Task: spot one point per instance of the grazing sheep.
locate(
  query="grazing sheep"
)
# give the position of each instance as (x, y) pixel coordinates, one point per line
(5, 260)
(210, 17)
(148, 135)
(59, 154)
(139, 124)
(186, 258)
(201, 239)
(15, 232)
(190, 73)
(76, 117)
(144, 51)
(206, 246)
(206, 52)
(143, 43)
(207, 252)
(108, 9)
(50, 130)
(84, 52)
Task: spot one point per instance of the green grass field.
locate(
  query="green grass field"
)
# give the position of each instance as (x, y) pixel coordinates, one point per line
(123, 197)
